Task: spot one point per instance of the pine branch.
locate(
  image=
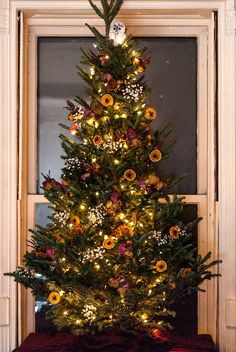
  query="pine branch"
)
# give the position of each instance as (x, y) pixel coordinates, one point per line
(110, 10)
(116, 8)
(97, 34)
(96, 9)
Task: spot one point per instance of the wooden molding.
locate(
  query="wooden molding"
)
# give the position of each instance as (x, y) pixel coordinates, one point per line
(4, 20)
(230, 22)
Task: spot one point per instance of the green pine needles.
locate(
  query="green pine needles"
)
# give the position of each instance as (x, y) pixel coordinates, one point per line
(116, 253)
(110, 10)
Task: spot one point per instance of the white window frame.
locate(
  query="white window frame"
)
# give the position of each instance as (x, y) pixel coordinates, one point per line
(227, 165)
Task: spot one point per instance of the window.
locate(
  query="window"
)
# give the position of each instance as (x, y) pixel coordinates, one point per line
(190, 45)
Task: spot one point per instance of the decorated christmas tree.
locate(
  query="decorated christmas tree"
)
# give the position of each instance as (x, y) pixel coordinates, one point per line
(116, 253)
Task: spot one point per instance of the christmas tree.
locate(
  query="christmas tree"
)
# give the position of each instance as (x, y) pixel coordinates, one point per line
(116, 253)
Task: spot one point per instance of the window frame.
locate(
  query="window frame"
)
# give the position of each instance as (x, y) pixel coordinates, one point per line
(153, 25)
(12, 200)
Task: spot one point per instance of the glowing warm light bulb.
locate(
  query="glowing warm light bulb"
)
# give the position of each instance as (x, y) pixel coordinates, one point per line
(93, 160)
(65, 313)
(82, 207)
(116, 161)
(90, 122)
(92, 71)
(144, 317)
(97, 266)
(124, 116)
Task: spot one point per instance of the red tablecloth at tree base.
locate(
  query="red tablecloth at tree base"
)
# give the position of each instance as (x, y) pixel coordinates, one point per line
(115, 341)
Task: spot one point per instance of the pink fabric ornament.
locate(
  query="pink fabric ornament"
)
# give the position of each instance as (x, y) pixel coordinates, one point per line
(142, 184)
(50, 252)
(122, 248)
(114, 197)
(131, 133)
(85, 176)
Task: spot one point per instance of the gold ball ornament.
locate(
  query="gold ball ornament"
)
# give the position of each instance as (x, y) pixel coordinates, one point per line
(155, 156)
(161, 266)
(107, 100)
(150, 113)
(130, 175)
(97, 140)
(108, 243)
(75, 220)
(54, 297)
(174, 232)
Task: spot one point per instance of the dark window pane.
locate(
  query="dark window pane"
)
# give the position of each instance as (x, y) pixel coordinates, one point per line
(57, 81)
(186, 321)
(172, 76)
(42, 213)
(41, 307)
